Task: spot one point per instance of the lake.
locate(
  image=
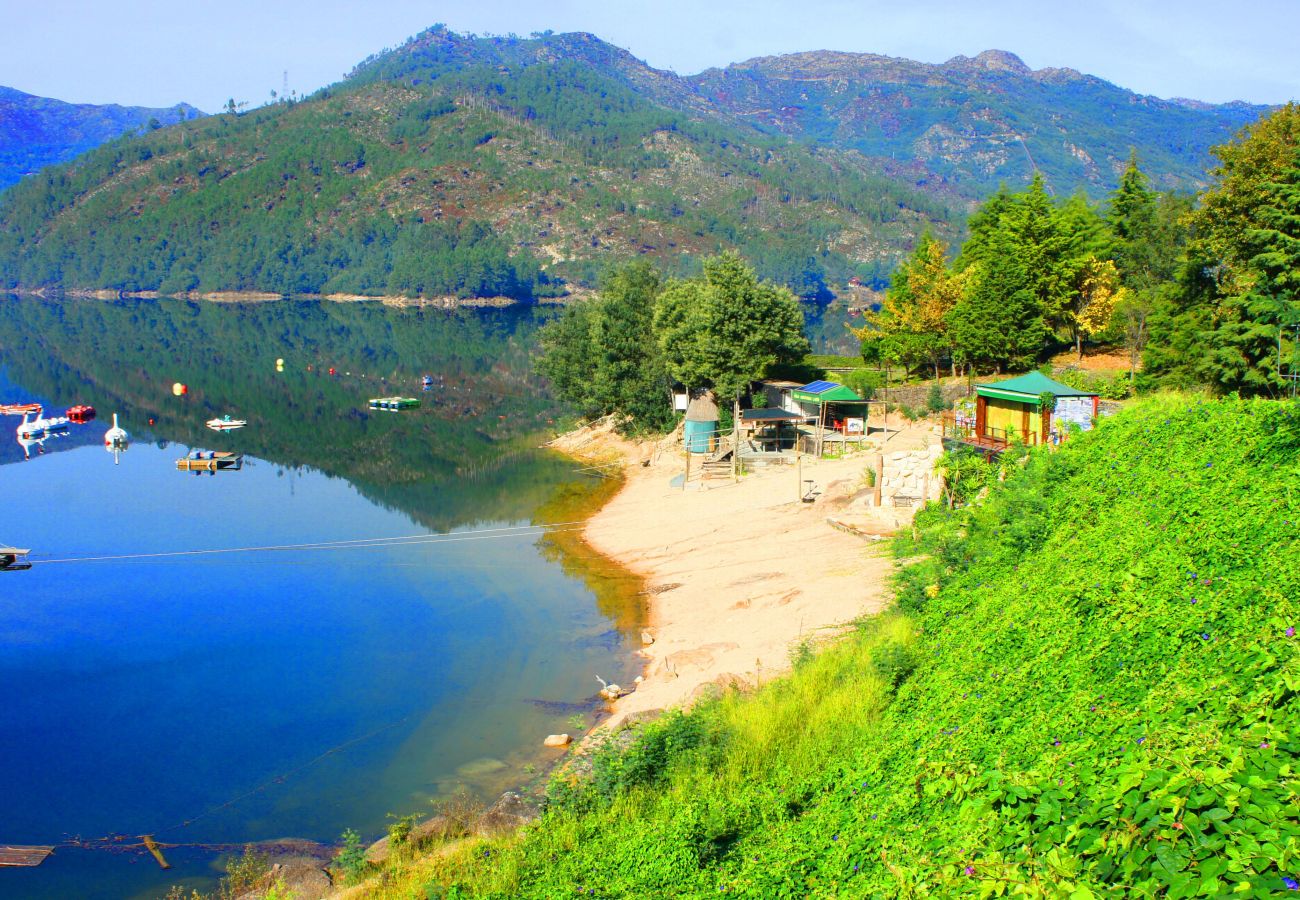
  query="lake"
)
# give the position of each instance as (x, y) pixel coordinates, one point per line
(426, 642)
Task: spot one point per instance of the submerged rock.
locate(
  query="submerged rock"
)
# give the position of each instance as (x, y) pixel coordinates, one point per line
(557, 740)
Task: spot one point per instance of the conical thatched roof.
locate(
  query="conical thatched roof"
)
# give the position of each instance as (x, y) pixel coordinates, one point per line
(702, 408)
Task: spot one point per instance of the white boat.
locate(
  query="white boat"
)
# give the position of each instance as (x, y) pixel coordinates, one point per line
(30, 429)
(226, 423)
(116, 440)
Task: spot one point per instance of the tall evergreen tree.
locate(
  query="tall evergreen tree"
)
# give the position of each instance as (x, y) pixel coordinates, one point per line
(999, 323)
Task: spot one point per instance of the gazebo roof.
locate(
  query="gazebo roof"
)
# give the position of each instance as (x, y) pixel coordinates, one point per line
(769, 414)
(1028, 388)
(825, 392)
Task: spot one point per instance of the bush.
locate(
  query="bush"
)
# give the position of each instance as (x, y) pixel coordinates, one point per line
(351, 860)
(894, 662)
(934, 401)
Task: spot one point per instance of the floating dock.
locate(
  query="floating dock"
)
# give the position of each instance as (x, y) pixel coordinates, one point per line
(11, 855)
(392, 403)
(13, 559)
(211, 461)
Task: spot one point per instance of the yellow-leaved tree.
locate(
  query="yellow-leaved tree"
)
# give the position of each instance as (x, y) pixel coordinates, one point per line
(1097, 292)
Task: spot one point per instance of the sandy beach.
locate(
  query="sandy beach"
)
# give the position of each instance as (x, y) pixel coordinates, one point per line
(738, 575)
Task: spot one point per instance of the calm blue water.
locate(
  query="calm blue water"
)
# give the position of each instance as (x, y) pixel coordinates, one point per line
(240, 697)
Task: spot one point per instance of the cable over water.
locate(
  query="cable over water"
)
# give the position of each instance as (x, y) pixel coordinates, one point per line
(352, 544)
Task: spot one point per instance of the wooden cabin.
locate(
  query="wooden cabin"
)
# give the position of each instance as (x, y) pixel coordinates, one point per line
(1013, 409)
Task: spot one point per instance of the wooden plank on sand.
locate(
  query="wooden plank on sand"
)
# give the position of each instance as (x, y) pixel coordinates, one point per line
(23, 856)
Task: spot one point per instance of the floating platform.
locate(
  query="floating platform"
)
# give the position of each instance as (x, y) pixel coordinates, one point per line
(394, 403)
(23, 856)
(13, 559)
(210, 461)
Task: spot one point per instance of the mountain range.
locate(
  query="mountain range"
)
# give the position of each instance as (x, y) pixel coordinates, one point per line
(36, 132)
(478, 166)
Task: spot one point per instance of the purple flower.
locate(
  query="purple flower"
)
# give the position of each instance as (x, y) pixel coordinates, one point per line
(835, 837)
(970, 870)
(1205, 635)
(1263, 745)
(1291, 884)
(1141, 740)
(1290, 632)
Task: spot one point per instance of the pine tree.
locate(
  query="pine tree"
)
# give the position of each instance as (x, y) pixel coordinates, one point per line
(999, 323)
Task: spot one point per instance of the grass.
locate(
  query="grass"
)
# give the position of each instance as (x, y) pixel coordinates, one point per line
(1089, 689)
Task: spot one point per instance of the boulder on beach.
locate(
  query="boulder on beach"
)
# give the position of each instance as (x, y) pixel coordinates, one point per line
(556, 740)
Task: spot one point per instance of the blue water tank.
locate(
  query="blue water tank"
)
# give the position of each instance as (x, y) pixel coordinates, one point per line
(698, 436)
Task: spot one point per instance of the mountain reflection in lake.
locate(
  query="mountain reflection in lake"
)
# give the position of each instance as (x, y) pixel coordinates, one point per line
(239, 697)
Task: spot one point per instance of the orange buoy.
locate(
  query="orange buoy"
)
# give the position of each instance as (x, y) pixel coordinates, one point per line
(179, 389)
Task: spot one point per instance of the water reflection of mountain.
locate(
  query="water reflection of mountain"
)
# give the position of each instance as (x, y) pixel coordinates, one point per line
(464, 456)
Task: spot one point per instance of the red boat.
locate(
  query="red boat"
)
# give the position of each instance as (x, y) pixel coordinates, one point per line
(81, 413)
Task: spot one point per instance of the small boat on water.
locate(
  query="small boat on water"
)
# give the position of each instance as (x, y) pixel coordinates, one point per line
(34, 428)
(210, 461)
(80, 413)
(394, 403)
(226, 423)
(19, 409)
(116, 440)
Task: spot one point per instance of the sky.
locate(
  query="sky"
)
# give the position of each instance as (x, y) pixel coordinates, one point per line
(161, 52)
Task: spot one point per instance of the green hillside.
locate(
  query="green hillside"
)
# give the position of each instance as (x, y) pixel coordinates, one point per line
(1089, 689)
(521, 167)
(432, 172)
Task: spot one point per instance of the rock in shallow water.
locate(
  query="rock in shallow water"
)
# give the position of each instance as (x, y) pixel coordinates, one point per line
(556, 740)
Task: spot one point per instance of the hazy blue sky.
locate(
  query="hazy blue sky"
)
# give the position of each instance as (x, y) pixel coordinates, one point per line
(158, 52)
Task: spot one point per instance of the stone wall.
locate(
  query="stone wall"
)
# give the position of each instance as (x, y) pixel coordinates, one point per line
(916, 395)
(910, 473)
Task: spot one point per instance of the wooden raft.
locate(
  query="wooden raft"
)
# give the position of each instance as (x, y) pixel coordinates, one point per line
(23, 856)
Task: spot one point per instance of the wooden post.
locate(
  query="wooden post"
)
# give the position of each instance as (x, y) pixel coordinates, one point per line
(157, 853)
(798, 481)
(880, 477)
(687, 476)
(735, 439)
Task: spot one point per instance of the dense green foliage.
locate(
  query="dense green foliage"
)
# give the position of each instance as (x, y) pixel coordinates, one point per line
(36, 131)
(601, 356)
(1204, 291)
(1239, 287)
(720, 330)
(726, 328)
(1093, 692)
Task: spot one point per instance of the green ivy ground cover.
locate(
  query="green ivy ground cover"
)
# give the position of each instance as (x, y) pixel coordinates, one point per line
(1090, 691)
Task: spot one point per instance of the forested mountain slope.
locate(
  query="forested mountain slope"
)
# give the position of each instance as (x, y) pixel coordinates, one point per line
(36, 131)
(435, 171)
(967, 124)
(479, 166)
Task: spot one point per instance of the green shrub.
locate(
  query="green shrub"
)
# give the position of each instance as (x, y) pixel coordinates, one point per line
(351, 860)
(934, 401)
(894, 663)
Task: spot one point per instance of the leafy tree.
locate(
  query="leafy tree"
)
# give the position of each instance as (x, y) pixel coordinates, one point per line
(913, 319)
(1096, 293)
(601, 355)
(727, 328)
(1238, 291)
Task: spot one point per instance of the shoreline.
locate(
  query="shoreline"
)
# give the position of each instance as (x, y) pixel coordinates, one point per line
(393, 300)
(737, 576)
